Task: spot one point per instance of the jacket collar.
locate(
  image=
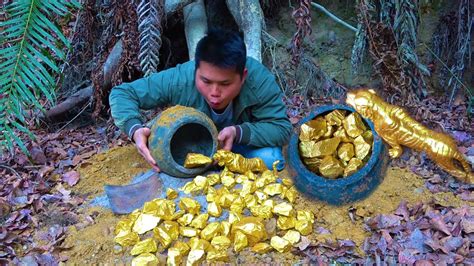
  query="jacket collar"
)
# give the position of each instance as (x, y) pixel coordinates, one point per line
(246, 98)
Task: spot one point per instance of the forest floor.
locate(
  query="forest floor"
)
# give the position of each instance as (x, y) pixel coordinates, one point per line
(418, 213)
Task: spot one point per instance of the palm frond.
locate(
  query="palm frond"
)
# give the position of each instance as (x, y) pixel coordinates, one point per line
(29, 52)
(150, 13)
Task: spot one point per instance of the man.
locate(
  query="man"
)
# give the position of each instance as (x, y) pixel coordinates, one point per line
(238, 93)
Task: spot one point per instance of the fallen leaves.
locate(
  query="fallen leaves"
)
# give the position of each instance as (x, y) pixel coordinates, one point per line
(33, 198)
(71, 178)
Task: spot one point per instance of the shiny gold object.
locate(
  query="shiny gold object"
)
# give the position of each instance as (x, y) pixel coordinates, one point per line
(330, 131)
(248, 187)
(280, 244)
(261, 211)
(178, 215)
(252, 227)
(145, 222)
(189, 188)
(341, 133)
(126, 238)
(145, 259)
(305, 215)
(211, 195)
(241, 178)
(354, 125)
(305, 227)
(292, 236)
(345, 151)
(195, 257)
(234, 217)
(353, 166)
(362, 148)
(174, 258)
(124, 226)
(368, 136)
(273, 189)
(171, 194)
(226, 199)
(290, 194)
(237, 205)
(201, 182)
(198, 243)
(213, 209)
(217, 255)
(283, 208)
(213, 179)
(220, 242)
(151, 207)
(287, 182)
(237, 163)
(194, 160)
(318, 149)
(200, 221)
(240, 241)
(335, 118)
(285, 223)
(262, 248)
(181, 247)
(225, 228)
(312, 163)
(313, 130)
(261, 197)
(250, 200)
(163, 236)
(228, 181)
(172, 228)
(331, 167)
(211, 230)
(188, 231)
(397, 128)
(166, 209)
(186, 219)
(190, 205)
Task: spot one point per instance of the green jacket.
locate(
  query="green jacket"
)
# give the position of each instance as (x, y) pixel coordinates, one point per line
(258, 109)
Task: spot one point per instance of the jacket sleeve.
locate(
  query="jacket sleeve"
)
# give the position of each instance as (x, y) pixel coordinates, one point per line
(271, 126)
(146, 93)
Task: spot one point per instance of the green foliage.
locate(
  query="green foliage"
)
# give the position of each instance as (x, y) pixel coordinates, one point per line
(29, 50)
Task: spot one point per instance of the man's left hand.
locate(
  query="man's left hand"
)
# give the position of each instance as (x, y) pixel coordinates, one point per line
(226, 138)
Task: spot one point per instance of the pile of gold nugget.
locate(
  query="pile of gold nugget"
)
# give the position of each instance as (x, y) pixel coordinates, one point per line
(335, 145)
(250, 196)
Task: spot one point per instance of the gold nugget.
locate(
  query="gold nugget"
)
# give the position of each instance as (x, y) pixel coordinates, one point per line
(195, 160)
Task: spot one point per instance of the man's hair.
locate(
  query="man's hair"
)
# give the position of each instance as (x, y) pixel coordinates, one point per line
(222, 48)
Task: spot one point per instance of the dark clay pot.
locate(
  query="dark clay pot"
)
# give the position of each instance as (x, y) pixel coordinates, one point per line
(343, 190)
(178, 131)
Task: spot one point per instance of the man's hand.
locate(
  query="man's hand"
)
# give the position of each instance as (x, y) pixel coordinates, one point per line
(226, 138)
(141, 142)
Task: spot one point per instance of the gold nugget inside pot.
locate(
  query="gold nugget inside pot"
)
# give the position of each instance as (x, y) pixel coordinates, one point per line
(328, 152)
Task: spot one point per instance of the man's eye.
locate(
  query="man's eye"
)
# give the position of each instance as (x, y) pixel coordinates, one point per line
(206, 81)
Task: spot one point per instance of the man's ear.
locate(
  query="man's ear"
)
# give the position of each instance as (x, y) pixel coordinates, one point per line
(372, 91)
(244, 76)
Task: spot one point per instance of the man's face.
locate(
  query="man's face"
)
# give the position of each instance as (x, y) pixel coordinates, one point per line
(219, 86)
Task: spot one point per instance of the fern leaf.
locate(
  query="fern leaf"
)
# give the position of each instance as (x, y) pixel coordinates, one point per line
(29, 55)
(150, 14)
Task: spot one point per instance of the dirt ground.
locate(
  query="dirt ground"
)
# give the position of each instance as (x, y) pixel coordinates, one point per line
(91, 241)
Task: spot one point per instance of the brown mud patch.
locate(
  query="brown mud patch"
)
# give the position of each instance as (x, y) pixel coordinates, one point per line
(91, 241)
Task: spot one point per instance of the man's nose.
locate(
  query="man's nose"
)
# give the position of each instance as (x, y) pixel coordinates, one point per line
(215, 90)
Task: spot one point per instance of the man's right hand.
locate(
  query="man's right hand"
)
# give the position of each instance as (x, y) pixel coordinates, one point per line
(140, 136)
